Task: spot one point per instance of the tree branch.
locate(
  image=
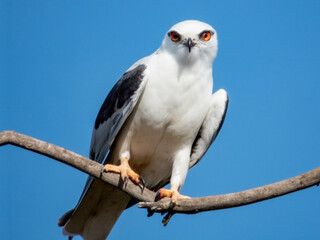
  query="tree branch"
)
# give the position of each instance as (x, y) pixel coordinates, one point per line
(146, 197)
(230, 200)
(72, 159)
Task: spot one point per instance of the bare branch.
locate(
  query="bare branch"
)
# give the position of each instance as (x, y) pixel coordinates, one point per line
(187, 206)
(196, 205)
(72, 159)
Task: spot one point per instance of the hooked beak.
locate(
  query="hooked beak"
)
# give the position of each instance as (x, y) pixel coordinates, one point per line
(189, 44)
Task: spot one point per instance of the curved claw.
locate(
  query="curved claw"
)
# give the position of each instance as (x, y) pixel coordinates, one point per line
(143, 183)
(103, 169)
(167, 218)
(125, 172)
(125, 181)
(150, 213)
(157, 198)
(172, 204)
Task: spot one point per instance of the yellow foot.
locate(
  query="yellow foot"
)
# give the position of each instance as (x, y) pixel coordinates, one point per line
(125, 172)
(172, 193)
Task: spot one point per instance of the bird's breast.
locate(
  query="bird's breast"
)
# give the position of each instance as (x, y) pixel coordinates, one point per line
(166, 119)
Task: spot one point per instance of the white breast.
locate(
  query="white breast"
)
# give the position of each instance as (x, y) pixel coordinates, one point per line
(166, 119)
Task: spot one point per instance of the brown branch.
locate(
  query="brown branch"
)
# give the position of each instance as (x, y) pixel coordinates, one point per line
(230, 200)
(188, 206)
(72, 159)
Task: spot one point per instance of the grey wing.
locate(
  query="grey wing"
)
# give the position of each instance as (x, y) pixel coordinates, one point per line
(115, 110)
(113, 113)
(210, 126)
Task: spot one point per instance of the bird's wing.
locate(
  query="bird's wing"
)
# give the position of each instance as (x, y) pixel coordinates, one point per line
(210, 126)
(115, 110)
(113, 113)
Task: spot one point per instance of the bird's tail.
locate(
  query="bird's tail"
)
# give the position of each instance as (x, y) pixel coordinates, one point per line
(96, 213)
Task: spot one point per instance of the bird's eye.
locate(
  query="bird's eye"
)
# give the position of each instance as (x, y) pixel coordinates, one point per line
(175, 37)
(206, 35)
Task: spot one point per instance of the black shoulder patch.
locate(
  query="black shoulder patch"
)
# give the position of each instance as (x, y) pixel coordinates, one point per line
(121, 93)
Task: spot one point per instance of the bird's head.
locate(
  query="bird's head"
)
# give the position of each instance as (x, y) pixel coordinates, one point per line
(190, 41)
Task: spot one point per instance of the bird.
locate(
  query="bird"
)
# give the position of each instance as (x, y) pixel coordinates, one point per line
(155, 124)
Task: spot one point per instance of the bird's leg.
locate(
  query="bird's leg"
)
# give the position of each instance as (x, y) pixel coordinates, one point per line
(125, 171)
(173, 193)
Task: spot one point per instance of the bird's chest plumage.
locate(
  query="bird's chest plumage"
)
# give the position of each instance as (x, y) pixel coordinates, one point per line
(177, 102)
(167, 119)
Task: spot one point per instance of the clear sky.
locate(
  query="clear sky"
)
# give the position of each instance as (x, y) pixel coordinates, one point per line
(59, 59)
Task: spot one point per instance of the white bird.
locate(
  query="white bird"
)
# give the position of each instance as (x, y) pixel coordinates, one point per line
(156, 123)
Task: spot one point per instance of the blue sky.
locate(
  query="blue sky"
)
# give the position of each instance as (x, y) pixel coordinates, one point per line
(59, 59)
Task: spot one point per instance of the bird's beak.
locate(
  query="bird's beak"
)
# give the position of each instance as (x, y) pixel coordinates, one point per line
(189, 44)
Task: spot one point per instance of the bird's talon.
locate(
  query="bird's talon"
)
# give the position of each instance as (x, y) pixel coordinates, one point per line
(143, 183)
(167, 218)
(103, 169)
(125, 181)
(157, 198)
(150, 213)
(172, 204)
(172, 193)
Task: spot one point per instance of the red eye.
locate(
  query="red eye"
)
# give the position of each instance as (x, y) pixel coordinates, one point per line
(175, 37)
(205, 36)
